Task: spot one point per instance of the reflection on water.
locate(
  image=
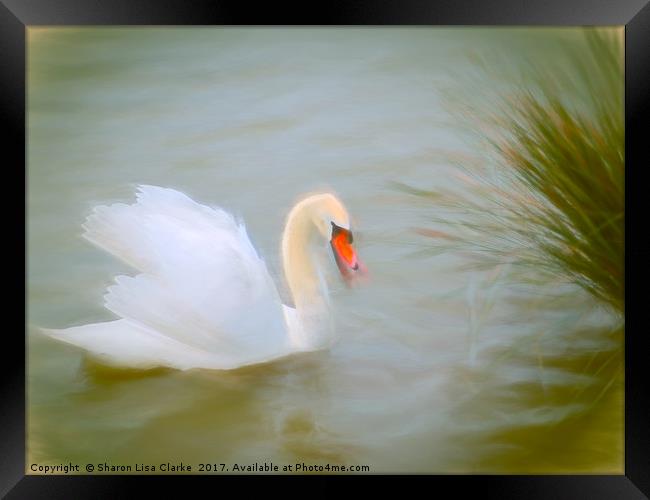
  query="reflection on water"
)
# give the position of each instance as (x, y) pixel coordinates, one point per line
(437, 369)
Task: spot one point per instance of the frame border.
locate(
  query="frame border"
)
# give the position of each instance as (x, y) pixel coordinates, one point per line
(17, 15)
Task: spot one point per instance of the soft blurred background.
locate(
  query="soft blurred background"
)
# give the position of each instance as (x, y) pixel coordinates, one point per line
(483, 169)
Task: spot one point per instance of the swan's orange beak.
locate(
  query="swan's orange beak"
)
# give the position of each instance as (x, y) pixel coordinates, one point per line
(346, 257)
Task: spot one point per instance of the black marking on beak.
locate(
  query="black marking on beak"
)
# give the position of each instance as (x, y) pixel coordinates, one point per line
(338, 229)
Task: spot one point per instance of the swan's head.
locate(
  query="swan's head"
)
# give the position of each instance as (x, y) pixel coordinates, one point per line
(333, 222)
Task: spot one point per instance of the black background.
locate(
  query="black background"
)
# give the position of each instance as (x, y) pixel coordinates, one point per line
(15, 15)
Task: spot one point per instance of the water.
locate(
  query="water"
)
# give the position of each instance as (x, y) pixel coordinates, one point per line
(435, 371)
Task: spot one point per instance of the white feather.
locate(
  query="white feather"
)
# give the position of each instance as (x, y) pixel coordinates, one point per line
(204, 298)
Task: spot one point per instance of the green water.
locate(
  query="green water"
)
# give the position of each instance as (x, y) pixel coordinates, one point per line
(438, 368)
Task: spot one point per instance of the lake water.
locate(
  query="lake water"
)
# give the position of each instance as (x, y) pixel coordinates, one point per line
(437, 369)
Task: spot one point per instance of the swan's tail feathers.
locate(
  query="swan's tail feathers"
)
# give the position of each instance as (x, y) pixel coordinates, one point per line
(125, 343)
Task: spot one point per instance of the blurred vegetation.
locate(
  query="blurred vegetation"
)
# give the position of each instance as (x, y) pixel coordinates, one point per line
(547, 198)
(556, 203)
(573, 164)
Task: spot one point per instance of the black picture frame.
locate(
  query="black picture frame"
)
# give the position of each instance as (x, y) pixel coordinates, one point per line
(17, 15)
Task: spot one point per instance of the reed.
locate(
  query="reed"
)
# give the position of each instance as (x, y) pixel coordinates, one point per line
(546, 201)
(556, 201)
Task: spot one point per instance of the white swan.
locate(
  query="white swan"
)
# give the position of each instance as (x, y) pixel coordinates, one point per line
(204, 298)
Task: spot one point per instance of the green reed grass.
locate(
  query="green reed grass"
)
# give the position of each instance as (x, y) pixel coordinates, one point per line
(547, 198)
(556, 202)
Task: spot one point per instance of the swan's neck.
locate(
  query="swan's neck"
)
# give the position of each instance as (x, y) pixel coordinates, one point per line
(303, 253)
(301, 256)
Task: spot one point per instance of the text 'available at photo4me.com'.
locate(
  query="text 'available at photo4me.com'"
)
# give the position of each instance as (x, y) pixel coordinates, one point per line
(198, 468)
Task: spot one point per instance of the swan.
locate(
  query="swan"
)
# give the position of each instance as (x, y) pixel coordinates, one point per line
(203, 297)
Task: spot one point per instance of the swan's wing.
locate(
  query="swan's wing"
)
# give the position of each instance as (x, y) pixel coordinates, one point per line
(202, 283)
(128, 343)
(139, 234)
